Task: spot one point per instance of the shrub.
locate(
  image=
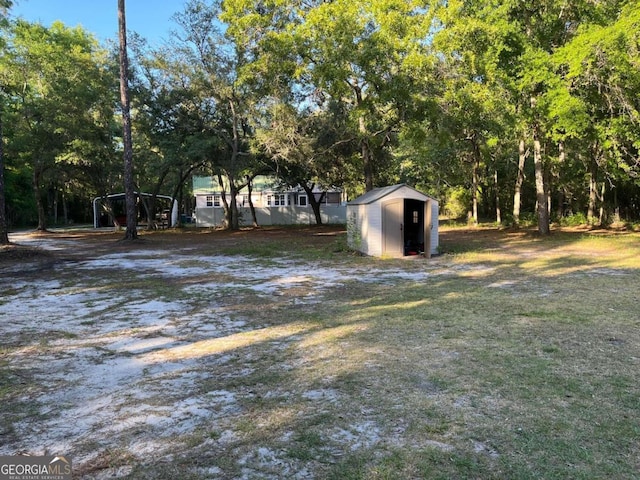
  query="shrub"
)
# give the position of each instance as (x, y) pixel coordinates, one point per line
(457, 202)
(574, 220)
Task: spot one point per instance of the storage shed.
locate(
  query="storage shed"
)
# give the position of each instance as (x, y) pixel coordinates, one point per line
(393, 221)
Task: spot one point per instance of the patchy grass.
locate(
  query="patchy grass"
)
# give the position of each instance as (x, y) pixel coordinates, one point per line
(510, 356)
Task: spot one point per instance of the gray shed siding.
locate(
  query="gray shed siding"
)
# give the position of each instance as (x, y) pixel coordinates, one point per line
(364, 229)
(435, 237)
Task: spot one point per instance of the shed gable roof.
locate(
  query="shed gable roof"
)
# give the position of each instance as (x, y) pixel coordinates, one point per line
(379, 193)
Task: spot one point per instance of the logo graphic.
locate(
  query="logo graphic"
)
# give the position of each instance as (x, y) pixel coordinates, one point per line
(19, 467)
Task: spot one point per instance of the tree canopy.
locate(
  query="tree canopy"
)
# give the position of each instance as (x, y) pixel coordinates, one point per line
(504, 110)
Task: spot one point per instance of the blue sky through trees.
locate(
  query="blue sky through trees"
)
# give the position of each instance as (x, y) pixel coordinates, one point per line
(149, 18)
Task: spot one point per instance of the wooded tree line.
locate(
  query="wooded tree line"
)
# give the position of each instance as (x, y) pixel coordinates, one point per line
(506, 109)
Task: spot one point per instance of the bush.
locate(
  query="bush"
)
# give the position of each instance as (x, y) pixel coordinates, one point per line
(574, 220)
(527, 219)
(457, 202)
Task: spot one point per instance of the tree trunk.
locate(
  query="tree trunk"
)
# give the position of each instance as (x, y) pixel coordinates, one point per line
(495, 185)
(54, 204)
(602, 192)
(365, 147)
(475, 179)
(254, 217)
(131, 232)
(593, 191)
(42, 215)
(235, 217)
(367, 162)
(225, 203)
(517, 201)
(179, 188)
(560, 191)
(4, 227)
(149, 206)
(541, 194)
(108, 208)
(65, 208)
(232, 220)
(152, 202)
(179, 197)
(230, 205)
(547, 187)
(314, 202)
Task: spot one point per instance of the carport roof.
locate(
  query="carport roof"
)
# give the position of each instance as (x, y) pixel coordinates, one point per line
(378, 193)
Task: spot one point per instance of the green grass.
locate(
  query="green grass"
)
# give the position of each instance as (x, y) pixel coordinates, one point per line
(14, 383)
(541, 369)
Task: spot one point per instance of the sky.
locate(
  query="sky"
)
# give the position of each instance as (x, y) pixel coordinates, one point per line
(149, 18)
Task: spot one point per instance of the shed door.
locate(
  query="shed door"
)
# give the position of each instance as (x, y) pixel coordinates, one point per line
(428, 226)
(392, 235)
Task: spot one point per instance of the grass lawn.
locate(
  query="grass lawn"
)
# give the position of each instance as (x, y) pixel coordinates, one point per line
(508, 356)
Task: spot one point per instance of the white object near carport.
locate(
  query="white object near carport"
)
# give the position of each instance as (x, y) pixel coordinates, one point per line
(393, 221)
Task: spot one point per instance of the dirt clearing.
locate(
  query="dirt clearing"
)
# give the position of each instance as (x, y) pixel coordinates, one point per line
(279, 354)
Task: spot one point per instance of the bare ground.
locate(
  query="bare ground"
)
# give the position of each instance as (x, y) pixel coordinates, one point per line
(234, 355)
(132, 352)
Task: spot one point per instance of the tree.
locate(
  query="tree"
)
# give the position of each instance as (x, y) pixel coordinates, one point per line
(4, 234)
(59, 74)
(601, 81)
(363, 55)
(513, 48)
(165, 128)
(453, 94)
(307, 148)
(552, 115)
(131, 232)
(214, 67)
(475, 112)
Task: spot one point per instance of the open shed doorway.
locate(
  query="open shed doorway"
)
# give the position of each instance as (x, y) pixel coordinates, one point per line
(406, 225)
(414, 241)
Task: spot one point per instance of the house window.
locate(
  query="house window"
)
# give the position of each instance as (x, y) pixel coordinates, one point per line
(245, 200)
(276, 200)
(333, 198)
(209, 200)
(216, 200)
(415, 217)
(303, 201)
